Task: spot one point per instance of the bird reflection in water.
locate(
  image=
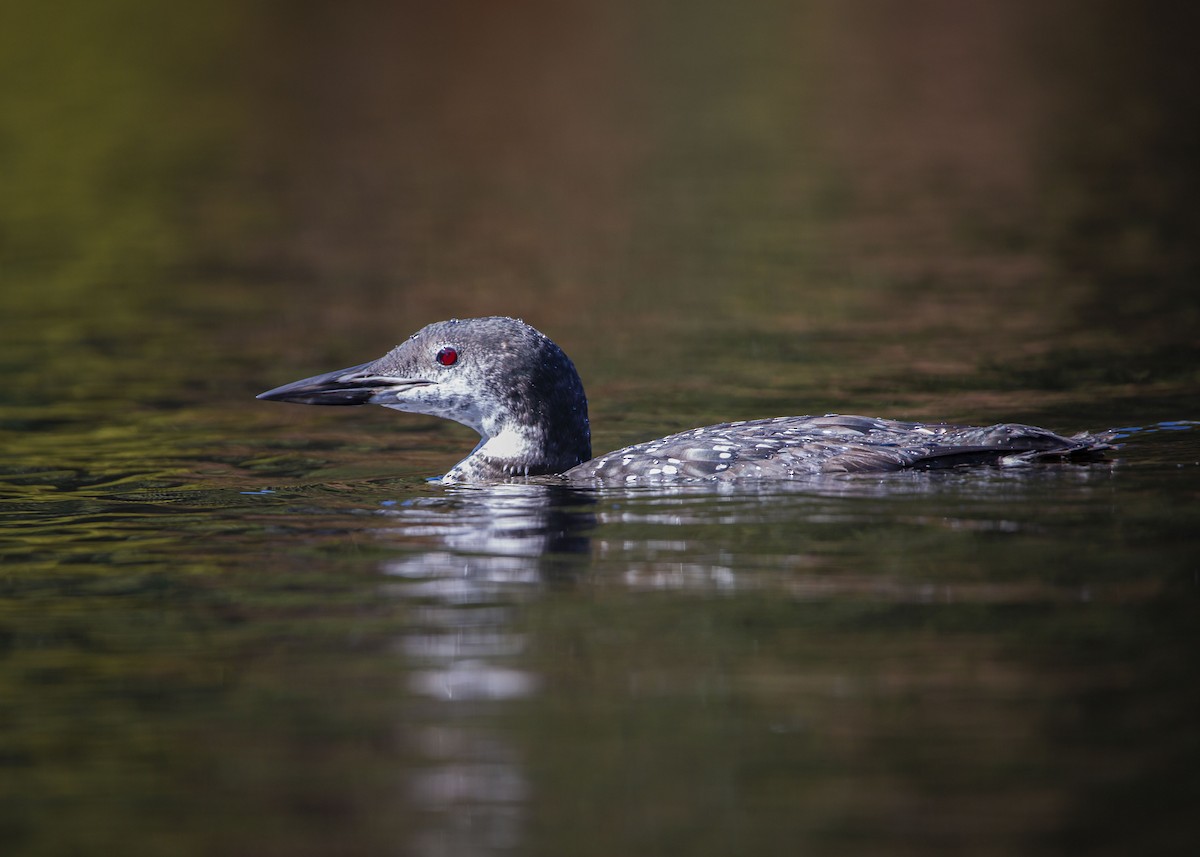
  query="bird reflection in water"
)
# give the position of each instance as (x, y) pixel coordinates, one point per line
(486, 551)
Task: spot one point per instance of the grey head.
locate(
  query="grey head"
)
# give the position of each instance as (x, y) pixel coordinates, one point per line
(498, 375)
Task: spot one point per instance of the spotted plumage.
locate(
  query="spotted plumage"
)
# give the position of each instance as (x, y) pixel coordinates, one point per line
(518, 389)
(794, 447)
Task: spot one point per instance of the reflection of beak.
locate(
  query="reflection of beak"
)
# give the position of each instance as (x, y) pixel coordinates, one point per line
(358, 385)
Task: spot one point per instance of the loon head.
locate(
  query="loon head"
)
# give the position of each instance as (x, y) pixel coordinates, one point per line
(499, 376)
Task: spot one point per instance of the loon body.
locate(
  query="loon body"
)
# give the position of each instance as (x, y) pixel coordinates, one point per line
(521, 393)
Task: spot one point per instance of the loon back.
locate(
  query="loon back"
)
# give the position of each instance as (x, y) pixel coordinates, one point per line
(794, 447)
(521, 393)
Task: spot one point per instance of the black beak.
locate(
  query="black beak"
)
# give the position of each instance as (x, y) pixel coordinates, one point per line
(358, 385)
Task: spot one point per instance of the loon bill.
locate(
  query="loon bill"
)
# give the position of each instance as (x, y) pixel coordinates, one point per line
(518, 389)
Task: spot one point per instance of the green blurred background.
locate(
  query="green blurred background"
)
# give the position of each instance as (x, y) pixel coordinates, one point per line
(926, 209)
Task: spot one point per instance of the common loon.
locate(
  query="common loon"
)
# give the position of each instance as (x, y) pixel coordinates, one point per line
(518, 389)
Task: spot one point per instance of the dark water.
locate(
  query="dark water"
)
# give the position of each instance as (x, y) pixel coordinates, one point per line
(235, 627)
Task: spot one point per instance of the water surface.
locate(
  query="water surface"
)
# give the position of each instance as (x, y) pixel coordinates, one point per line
(236, 627)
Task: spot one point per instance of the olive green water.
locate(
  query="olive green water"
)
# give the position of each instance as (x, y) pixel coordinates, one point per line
(243, 628)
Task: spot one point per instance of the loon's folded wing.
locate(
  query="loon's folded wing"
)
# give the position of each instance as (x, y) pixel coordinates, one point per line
(957, 446)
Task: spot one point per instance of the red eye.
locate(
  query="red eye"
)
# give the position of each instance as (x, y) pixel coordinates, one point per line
(447, 356)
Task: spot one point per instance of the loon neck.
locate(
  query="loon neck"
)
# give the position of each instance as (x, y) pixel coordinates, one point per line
(511, 452)
(539, 427)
